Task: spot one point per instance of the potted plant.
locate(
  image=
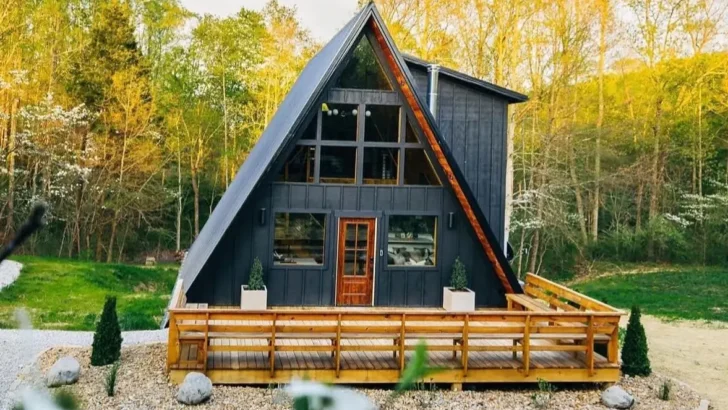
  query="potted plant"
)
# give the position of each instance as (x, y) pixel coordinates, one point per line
(457, 297)
(254, 295)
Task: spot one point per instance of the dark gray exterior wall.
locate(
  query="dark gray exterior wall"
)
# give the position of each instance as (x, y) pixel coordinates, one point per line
(474, 125)
(228, 267)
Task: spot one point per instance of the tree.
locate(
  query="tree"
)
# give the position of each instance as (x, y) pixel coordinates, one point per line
(634, 353)
(255, 280)
(459, 276)
(106, 347)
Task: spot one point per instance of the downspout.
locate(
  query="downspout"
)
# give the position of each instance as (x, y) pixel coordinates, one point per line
(433, 82)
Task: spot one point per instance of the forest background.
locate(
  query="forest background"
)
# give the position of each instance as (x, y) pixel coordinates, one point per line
(131, 117)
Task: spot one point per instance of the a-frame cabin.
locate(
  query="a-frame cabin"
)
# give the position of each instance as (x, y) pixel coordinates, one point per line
(356, 194)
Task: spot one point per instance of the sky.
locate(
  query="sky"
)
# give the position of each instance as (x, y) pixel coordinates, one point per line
(322, 17)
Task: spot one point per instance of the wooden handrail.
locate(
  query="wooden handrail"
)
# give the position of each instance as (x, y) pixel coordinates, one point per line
(569, 294)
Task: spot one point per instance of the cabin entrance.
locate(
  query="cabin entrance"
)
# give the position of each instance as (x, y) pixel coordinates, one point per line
(355, 263)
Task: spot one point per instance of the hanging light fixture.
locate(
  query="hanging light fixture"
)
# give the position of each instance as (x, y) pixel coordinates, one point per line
(368, 113)
(354, 112)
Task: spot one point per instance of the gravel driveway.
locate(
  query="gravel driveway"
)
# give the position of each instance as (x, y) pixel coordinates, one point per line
(20, 348)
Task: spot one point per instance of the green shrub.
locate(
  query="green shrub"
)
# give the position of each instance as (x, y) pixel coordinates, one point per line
(634, 353)
(459, 278)
(110, 382)
(64, 399)
(255, 282)
(106, 348)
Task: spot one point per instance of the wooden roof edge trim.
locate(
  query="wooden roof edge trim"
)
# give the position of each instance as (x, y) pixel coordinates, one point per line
(439, 154)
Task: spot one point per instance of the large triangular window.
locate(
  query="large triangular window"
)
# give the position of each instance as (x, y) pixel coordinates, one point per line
(363, 70)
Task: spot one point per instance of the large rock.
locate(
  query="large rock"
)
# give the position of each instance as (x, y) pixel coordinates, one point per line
(65, 371)
(195, 389)
(616, 397)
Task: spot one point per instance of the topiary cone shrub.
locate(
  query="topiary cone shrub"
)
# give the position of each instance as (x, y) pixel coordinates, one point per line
(459, 278)
(106, 348)
(634, 353)
(255, 282)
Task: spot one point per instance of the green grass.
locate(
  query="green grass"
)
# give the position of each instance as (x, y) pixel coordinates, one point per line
(68, 294)
(688, 293)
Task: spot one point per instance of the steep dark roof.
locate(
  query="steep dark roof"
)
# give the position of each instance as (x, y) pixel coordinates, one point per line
(510, 95)
(299, 101)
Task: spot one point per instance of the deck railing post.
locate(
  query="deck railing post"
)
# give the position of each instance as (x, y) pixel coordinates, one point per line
(613, 348)
(590, 344)
(173, 348)
(338, 346)
(527, 346)
(401, 342)
(464, 353)
(207, 340)
(272, 351)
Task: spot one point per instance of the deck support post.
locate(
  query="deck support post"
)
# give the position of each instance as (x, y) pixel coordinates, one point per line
(401, 344)
(272, 351)
(613, 347)
(173, 347)
(205, 344)
(456, 387)
(464, 352)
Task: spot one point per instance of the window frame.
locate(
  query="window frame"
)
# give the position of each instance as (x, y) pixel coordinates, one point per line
(360, 144)
(272, 242)
(438, 234)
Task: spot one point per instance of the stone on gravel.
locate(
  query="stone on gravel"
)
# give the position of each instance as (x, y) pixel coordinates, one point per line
(195, 389)
(65, 371)
(704, 405)
(616, 397)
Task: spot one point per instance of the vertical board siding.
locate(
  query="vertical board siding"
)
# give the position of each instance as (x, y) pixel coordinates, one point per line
(473, 124)
(229, 266)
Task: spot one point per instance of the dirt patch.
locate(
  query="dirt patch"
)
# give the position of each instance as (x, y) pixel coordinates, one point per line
(693, 352)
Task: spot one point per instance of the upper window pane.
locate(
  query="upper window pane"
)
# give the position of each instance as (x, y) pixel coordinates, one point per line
(299, 166)
(410, 135)
(338, 165)
(310, 132)
(299, 239)
(338, 122)
(411, 240)
(363, 70)
(382, 123)
(418, 169)
(380, 166)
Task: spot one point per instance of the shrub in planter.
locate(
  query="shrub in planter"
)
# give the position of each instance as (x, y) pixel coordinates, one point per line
(106, 348)
(457, 297)
(459, 278)
(255, 282)
(634, 353)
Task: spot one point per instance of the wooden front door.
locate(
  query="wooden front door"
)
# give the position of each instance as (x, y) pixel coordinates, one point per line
(355, 267)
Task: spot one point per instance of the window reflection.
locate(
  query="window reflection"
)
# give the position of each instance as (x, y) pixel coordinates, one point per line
(411, 240)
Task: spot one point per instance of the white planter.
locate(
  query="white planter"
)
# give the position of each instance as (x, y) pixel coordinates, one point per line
(454, 301)
(253, 299)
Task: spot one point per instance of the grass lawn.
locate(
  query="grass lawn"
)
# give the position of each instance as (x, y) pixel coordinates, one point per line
(69, 294)
(688, 293)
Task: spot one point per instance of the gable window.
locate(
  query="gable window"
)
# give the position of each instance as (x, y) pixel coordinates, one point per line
(363, 70)
(299, 239)
(338, 165)
(418, 169)
(300, 165)
(382, 123)
(338, 122)
(381, 166)
(411, 240)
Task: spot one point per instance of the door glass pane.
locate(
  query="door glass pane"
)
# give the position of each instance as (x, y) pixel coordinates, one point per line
(361, 263)
(349, 263)
(350, 241)
(382, 123)
(338, 122)
(362, 236)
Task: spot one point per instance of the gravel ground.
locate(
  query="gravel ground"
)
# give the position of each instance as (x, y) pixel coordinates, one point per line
(142, 384)
(21, 347)
(9, 271)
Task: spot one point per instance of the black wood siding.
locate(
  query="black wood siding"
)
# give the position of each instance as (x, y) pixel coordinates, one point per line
(473, 123)
(228, 268)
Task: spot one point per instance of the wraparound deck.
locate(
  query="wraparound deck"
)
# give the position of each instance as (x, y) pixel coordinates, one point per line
(353, 346)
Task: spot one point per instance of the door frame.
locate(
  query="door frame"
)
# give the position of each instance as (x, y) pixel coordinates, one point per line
(339, 254)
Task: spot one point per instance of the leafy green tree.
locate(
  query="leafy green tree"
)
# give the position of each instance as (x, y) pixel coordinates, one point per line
(459, 277)
(634, 353)
(106, 347)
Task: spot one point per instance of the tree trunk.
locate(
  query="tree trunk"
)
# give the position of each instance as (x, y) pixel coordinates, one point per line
(178, 226)
(577, 191)
(114, 224)
(638, 200)
(196, 192)
(655, 188)
(9, 226)
(603, 16)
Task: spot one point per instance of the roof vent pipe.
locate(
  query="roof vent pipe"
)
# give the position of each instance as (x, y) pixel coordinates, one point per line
(433, 81)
